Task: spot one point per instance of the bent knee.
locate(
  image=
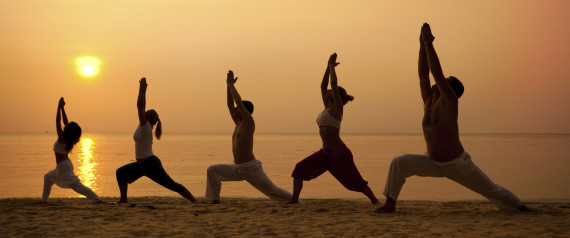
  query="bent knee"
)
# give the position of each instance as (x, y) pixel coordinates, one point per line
(402, 159)
(121, 177)
(298, 172)
(211, 169)
(119, 173)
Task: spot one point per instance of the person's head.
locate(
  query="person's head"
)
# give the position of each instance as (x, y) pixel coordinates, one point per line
(71, 134)
(152, 118)
(343, 96)
(456, 85)
(248, 106)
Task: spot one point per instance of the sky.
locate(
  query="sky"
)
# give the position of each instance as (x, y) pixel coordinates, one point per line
(513, 57)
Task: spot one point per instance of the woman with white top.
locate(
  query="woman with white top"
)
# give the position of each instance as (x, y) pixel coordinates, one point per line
(335, 156)
(63, 174)
(147, 163)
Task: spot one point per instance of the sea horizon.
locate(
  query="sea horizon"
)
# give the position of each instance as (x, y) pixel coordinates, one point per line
(533, 166)
(306, 133)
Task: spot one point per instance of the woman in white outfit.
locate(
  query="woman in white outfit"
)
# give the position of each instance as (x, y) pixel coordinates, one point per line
(63, 174)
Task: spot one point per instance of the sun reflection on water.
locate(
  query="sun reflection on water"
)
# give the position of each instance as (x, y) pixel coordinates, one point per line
(87, 163)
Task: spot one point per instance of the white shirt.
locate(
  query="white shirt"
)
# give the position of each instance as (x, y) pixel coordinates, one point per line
(143, 141)
(326, 119)
(60, 148)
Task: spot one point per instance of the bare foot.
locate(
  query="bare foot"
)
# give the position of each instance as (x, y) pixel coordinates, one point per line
(122, 201)
(385, 209)
(294, 201)
(375, 201)
(389, 207)
(216, 202)
(186, 194)
(524, 208)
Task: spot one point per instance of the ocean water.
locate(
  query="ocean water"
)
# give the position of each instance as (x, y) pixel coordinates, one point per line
(531, 166)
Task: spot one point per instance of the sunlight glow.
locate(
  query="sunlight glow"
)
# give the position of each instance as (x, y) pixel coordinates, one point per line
(87, 66)
(88, 70)
(87, 164)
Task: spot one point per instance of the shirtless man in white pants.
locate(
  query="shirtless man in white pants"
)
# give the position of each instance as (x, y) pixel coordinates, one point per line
(245, 166)
(445, 155)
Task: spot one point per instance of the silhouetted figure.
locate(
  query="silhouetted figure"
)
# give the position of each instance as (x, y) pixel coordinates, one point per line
(445, 155)
(63, 174)
(147, 163)
(335, 156)
(246, 166)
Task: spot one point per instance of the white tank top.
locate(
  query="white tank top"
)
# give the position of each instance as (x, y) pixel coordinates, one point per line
(60, 148)
(326, 119)
(143, 141)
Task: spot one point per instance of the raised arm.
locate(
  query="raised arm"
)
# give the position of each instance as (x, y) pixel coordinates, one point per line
(325, 84)
(241, 108)
(423, 72)
(444, 88)
(231, 98)
(334, 85)
(58, 128)
(141, 101)
(64, 116)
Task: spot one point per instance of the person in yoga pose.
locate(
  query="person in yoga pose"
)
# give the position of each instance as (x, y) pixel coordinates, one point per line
(445, 155)
(147, 163)
(245, 166)
(63, 174)
(335, 156)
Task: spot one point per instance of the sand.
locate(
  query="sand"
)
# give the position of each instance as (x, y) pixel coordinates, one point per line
(245, 217)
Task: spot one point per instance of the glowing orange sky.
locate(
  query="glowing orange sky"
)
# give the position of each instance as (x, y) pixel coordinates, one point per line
(513, 57)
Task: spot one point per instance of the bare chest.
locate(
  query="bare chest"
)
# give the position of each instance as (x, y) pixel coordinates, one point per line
(439, 114)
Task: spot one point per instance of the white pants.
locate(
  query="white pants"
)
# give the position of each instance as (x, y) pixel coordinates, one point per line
(461, 170)
(64, 177)
(250, 171)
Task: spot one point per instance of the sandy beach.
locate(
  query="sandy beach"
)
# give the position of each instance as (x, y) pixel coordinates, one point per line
(241, 217)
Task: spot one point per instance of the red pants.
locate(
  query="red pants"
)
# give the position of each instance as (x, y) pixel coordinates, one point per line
(338, 161)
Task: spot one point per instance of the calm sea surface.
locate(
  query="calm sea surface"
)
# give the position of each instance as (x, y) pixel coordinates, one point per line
(532, 166)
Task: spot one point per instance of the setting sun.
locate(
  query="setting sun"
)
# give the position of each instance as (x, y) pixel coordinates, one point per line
(88, 70)
(87, 66)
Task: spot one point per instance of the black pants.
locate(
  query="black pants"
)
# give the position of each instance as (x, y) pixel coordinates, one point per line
(152, 168)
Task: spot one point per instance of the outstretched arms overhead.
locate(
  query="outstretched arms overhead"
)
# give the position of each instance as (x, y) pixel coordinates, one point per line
(236, 97)
(325, 82)
(423, 72)
(231, 107)
(141, 101)
(337, 101)
(60, 111)
(231, 104)
(444, 88)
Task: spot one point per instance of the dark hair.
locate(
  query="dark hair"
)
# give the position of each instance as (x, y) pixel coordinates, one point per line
(457, 86)
(71, 134)
(248, 105)
(158, 130)
(344, 96)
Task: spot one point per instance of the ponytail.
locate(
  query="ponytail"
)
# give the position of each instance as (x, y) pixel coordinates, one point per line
(344, 96)
(158, 130)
